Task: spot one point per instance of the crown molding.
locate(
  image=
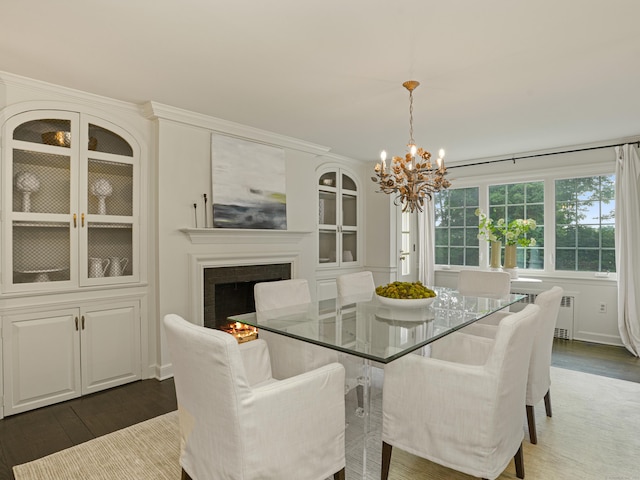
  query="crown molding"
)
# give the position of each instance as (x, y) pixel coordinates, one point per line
(65, 93)
(154, 110)
(342, 159)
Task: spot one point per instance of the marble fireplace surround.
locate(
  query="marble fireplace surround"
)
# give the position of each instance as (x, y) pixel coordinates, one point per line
(237, 248)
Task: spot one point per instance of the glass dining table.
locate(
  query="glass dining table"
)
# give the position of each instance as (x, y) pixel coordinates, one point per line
(376, 333)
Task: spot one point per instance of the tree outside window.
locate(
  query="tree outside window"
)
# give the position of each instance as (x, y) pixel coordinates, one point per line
(456, 227)
(521, 201)
(585, 224)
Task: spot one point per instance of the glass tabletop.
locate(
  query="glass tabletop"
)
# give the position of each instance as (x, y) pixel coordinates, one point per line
(374, 330)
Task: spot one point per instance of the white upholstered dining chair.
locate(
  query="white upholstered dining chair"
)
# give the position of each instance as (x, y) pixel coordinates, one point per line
(355, 287)
(238, 423)
(289, 356)
(539, 374)
(482, 283)
(462, 407)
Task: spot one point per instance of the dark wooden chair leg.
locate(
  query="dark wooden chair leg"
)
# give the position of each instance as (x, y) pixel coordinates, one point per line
(340, 475)
(531, 421)
(386, 460)
(547, 402)
(185, 476)
(519, 459)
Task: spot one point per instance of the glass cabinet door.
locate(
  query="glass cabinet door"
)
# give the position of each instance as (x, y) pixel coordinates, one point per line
(108, 236)
(327, 218)
(349, 230)
(69, 184)
(337, 218)
(41, 168)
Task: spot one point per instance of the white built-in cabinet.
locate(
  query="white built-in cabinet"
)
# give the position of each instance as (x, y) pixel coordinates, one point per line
(339, 233)
(70, 255)
(52, 355)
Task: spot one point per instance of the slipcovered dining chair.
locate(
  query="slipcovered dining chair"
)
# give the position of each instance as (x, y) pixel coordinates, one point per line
(462, 407)
(539, 374)
(289, 356)
(238, 423)
(355, 287)
(481, 283)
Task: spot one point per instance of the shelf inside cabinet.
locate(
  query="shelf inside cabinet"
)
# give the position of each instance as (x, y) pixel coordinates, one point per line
(40, 159)
(40, 224)
(110, 225)
(109, 167)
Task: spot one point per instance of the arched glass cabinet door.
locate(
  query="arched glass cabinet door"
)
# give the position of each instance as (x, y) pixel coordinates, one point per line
(40, 174)
(338, 218)
(70, 196)
(109, 196)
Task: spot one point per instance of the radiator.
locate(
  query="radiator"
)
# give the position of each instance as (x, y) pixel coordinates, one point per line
(564, 324)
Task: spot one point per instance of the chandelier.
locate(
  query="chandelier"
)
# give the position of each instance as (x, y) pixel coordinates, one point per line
(411, 178)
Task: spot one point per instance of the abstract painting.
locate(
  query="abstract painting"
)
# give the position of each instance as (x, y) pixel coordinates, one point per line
(248, 184)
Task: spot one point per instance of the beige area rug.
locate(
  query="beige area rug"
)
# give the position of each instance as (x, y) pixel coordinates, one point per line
(592, 435)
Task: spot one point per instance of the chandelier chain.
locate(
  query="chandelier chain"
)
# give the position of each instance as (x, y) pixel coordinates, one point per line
(411, 141)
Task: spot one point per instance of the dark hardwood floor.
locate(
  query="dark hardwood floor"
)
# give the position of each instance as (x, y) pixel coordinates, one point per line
(605, 360)
(30, 435)
(37, 433)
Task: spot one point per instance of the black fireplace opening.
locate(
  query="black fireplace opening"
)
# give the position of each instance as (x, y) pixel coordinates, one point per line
(229, 290)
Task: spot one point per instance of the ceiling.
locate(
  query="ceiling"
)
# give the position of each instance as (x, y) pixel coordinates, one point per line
(498, 77)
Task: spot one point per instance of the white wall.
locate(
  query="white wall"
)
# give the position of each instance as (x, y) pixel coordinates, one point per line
(184, 174)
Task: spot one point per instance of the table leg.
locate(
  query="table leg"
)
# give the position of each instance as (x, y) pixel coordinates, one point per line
(364, 411)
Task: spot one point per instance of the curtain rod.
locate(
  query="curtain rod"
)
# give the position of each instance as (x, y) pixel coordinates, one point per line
(513, 159)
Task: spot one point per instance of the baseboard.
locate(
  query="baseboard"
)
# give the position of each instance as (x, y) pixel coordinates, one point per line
(164, 372)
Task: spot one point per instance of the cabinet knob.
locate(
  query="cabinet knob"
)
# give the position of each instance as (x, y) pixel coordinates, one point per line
(75, 220)
(76, 320)
(82, 219)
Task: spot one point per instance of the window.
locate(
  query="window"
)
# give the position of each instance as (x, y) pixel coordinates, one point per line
(521, 200)
(585, 224)
(579, 238)
(456, 227)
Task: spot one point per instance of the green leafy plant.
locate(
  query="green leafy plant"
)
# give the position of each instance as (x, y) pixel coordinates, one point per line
(488, 229)
(512, 233)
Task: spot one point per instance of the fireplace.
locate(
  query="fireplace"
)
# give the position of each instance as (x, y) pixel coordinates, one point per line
(228, 290)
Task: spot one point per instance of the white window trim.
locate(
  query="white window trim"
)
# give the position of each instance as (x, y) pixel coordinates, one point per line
(548, 177)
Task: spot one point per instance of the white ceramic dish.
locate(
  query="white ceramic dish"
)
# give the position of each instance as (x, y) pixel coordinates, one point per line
(406, 302)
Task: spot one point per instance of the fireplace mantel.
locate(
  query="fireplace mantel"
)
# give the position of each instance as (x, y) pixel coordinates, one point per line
(225, 236)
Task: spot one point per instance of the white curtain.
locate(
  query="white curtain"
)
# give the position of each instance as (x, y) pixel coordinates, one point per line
(627, 242)
(426, 244)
